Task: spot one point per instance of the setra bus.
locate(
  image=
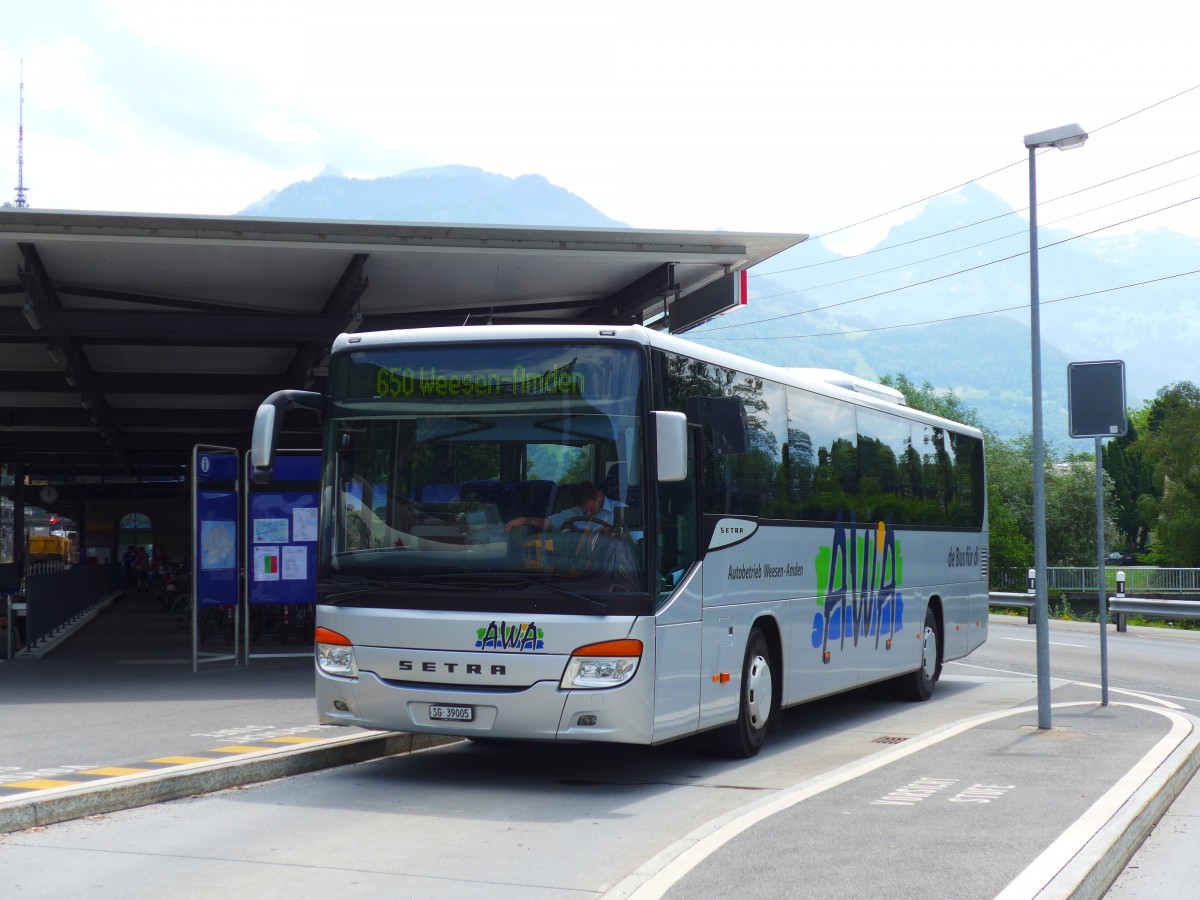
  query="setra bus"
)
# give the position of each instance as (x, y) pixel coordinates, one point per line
(589, 533)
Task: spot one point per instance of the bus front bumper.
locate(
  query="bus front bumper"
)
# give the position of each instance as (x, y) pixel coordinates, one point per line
(542, 711)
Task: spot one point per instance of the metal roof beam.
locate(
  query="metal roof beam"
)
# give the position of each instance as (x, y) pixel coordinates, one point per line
(181, 327)
(350, 287)
(90, 442)
(311, 362)
(147, 383)
(76, 290)
(623, 306)
(41, 300)
(123, 417)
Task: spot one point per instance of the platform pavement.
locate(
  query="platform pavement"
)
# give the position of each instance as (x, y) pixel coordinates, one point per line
(1066, 808)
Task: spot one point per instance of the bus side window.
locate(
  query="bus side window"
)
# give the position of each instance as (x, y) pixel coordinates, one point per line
(823, 452)
(884, 448)
(937, 474)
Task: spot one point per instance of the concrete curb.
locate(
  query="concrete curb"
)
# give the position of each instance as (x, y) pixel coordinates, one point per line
(1094, 869)
(130, 792)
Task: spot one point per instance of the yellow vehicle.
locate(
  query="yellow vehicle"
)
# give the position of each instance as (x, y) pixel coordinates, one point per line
(44, 548)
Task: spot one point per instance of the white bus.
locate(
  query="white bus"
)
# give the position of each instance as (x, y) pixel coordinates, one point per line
(765, 537)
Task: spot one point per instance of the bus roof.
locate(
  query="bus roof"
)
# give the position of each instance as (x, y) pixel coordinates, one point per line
(830, 382)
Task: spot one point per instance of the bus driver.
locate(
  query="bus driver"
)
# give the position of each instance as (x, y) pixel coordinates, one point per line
(591, 510)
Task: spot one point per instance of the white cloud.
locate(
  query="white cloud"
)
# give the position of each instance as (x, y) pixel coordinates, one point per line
(766, 116)
(276, 125)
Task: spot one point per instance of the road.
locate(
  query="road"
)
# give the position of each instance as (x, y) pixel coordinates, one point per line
(1162, 662)
(470, 820)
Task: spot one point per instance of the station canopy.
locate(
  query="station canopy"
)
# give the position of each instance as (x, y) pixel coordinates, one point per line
(127, 339)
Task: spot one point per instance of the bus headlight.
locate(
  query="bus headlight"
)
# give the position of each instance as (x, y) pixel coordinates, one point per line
(335, 654)
(603, 665)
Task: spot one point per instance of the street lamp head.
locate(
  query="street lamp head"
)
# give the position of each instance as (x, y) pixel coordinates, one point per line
(1065, 137)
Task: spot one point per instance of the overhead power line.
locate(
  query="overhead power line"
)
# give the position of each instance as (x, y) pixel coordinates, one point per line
(990, 312)
(928, 237)
(1004, 237)
(987, 175)
(942, 277)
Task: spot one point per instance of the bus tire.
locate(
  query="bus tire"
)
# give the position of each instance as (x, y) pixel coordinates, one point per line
(743, 738)
(918, 686)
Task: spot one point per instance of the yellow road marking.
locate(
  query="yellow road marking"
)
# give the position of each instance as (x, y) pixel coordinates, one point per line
(41, 784)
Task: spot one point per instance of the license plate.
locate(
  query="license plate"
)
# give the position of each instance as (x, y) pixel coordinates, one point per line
(452, 713)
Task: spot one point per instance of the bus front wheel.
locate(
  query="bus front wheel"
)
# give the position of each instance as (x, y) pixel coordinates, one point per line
(744, 737)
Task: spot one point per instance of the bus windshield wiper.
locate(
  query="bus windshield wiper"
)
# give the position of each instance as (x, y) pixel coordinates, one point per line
(596, 605)
(360, 585)
(458, 581)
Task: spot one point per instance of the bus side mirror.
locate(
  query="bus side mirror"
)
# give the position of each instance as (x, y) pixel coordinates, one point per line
(671, 439)
(267, 424)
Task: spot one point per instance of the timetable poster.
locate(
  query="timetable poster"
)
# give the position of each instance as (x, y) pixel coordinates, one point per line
(282, 528)
(215, 526)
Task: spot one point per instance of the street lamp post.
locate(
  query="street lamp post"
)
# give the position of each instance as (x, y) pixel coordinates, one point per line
(1065, 137)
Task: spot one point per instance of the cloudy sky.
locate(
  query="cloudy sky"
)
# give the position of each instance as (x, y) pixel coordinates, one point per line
(756, 116)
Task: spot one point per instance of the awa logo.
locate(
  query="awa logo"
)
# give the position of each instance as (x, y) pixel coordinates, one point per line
(858, 579)
(502, 636)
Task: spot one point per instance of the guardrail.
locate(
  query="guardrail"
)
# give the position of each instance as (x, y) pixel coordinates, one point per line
(54, 599)
(47, 567)
(1138, 579)
(1121, 606)
(1165, 609)
(1000, 598)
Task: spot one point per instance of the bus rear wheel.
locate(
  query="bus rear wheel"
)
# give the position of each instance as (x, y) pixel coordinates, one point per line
(918, 685)
(744, 738)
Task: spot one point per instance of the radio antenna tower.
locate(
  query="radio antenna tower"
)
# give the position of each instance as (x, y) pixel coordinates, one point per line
(21, 203)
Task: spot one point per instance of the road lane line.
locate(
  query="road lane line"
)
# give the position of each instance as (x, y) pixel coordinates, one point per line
(1034, 641)
(955, 662)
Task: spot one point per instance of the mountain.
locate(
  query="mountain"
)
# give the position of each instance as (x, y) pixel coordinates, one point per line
(965, 255)
(458, 194)
(961, 266)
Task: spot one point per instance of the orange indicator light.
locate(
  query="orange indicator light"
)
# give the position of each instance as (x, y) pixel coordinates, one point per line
(324, 635)
(623, 647)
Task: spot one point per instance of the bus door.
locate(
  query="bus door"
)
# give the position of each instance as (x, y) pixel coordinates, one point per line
(680, 600)
(722, 437)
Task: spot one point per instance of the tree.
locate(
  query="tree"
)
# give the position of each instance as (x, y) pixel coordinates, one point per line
(1010, 505)
(1168, 445)
(1133, 480)
(927, 398)
(1071, 512)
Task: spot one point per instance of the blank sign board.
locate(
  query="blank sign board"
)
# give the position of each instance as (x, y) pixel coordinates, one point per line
(1096, 398)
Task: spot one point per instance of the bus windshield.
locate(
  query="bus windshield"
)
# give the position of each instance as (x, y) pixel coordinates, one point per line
(522, 460)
